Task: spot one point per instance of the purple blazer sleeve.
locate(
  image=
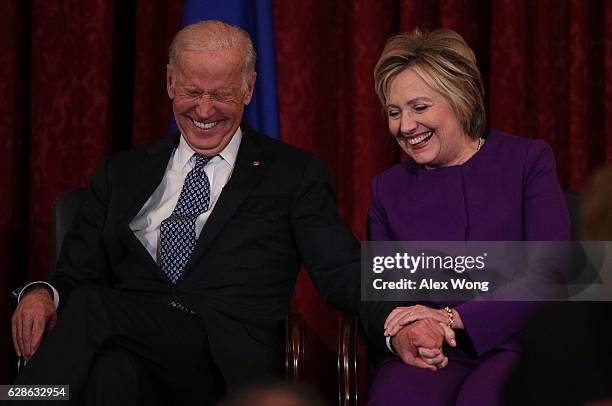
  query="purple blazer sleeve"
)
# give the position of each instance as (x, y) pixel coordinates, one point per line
(545, 218)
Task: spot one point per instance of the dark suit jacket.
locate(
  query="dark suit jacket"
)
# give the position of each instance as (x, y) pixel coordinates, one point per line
(277, 210)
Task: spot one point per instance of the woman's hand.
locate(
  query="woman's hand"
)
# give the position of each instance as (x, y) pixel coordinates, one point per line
(401, 316)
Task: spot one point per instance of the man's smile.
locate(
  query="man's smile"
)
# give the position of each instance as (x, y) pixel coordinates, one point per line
(204, 126)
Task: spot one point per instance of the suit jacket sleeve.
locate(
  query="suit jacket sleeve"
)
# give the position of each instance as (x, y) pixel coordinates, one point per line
(330, 252)
(373, 315)
(76, 264)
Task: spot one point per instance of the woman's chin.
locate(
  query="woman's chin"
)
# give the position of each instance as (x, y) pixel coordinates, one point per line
(422, 154)
(421, 159)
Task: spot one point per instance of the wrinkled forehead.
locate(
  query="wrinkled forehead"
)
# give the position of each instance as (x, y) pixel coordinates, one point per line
(210, 71)
(233, 57)
(219, 62)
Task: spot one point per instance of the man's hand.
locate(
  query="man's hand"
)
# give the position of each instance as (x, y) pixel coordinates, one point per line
(34, 315)
(420, 344)
(433, 356)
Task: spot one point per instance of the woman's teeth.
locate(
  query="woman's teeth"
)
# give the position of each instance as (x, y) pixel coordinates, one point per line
(204, 126)
(420, 139)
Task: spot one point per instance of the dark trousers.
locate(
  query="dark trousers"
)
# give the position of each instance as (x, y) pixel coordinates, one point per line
(114, 348)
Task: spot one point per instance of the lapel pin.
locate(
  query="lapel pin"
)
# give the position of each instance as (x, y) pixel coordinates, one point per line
(256, 163)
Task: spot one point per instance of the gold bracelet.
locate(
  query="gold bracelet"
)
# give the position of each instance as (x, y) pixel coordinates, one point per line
(451, 317)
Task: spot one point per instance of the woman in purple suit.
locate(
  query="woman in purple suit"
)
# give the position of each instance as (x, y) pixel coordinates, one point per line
(460, 182)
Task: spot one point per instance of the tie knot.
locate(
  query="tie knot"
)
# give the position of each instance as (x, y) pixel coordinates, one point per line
(201, 160)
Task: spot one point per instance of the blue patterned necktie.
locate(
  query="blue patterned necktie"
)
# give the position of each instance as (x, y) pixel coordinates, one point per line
(177, 236)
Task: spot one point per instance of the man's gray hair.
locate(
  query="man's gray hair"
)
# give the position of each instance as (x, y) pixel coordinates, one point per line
(213, 35)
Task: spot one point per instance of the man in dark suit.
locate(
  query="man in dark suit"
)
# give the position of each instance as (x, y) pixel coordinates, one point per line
(185, 253)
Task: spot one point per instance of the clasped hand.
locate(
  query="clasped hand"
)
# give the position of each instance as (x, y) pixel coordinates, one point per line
(418, 333)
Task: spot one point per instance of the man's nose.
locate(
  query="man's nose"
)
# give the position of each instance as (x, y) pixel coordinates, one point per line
(205, 106)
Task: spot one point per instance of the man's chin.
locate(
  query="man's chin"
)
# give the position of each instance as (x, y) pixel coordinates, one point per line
(208, 147)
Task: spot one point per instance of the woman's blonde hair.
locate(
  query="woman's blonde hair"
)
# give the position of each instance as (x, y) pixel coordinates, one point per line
(446, 63)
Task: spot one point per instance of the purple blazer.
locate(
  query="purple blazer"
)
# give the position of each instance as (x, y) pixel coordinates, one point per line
(508, 191)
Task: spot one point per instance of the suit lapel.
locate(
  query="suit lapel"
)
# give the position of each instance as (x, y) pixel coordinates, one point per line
(151, 173)
(247, 172)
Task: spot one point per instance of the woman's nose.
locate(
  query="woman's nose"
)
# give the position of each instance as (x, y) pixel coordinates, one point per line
(407, 124)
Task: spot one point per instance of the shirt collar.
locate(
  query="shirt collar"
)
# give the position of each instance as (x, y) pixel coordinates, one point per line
(184, 152)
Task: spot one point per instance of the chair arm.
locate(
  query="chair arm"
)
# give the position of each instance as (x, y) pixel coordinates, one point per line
(347, 361)
(294, 347)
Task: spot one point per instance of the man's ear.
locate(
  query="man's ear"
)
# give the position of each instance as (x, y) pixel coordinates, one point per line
(170, 78)
(250, 88)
